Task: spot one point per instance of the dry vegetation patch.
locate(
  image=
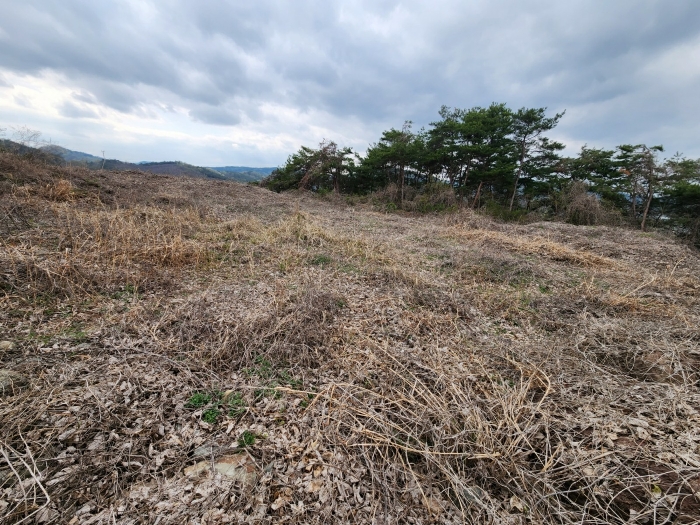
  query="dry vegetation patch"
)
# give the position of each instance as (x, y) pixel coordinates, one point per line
(207, 352)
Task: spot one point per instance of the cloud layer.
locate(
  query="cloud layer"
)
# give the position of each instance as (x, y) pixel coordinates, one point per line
(243, 83)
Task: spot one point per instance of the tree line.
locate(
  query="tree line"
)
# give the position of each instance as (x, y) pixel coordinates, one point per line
(502, 159)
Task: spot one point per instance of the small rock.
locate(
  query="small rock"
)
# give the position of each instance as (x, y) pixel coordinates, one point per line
(11, 382)
(206, 450)
(197, 468)
(238, 467)
(6, 346)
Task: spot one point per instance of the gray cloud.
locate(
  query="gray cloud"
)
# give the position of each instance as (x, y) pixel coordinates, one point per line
(72, 110)
(84, 96)
(22, 100)
(215, 115)
(377, 62)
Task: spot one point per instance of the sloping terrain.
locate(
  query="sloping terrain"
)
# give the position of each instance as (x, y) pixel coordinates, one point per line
(70, 155)
(181, 350)
(238, 173)
(180, 169)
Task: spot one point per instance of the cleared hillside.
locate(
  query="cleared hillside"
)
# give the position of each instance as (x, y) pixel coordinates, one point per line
(190, 350)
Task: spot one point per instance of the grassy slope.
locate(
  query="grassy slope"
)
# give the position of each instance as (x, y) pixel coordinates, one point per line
(396, 368)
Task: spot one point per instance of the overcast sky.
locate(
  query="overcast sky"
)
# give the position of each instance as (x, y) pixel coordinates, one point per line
(246, 83)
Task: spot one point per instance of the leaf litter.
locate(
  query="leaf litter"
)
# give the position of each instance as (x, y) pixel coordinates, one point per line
(434, 369)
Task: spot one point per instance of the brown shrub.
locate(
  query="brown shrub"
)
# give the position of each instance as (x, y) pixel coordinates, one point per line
(584, 209)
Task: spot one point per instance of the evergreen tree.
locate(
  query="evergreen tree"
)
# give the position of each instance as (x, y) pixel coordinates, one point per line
(326, 168)
(537, 155)
(681, 197)
(394, 157)
(644, 174)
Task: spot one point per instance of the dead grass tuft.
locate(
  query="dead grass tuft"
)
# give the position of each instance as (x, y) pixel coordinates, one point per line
(98, 251)
(60, 190)
(291, 329)
(536, 246)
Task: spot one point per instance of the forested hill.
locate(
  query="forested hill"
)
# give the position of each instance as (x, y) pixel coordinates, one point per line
(506, 162)
(244, 173)
(70, 155)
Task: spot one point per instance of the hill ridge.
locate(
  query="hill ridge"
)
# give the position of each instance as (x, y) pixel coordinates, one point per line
(178, 168)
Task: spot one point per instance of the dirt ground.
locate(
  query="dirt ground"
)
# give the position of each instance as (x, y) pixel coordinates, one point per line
(182, 350)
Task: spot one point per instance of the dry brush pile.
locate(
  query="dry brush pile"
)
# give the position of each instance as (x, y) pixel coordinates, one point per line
(184, 350)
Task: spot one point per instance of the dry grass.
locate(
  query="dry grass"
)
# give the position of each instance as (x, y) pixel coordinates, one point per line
(99, 251)
(392, 368)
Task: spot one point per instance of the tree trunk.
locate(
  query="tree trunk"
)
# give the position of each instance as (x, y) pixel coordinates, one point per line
(646, 207)
(517, 177)
(695, 235)
(478, 195)
(515, 189)
(634, 201)
(463, 178)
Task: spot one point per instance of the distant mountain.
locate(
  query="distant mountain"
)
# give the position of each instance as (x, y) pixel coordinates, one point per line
(164, 168)
(244, 173)
(16, 147)
(242, 169)
(179, 168)
(237, 173)
(69, 155)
